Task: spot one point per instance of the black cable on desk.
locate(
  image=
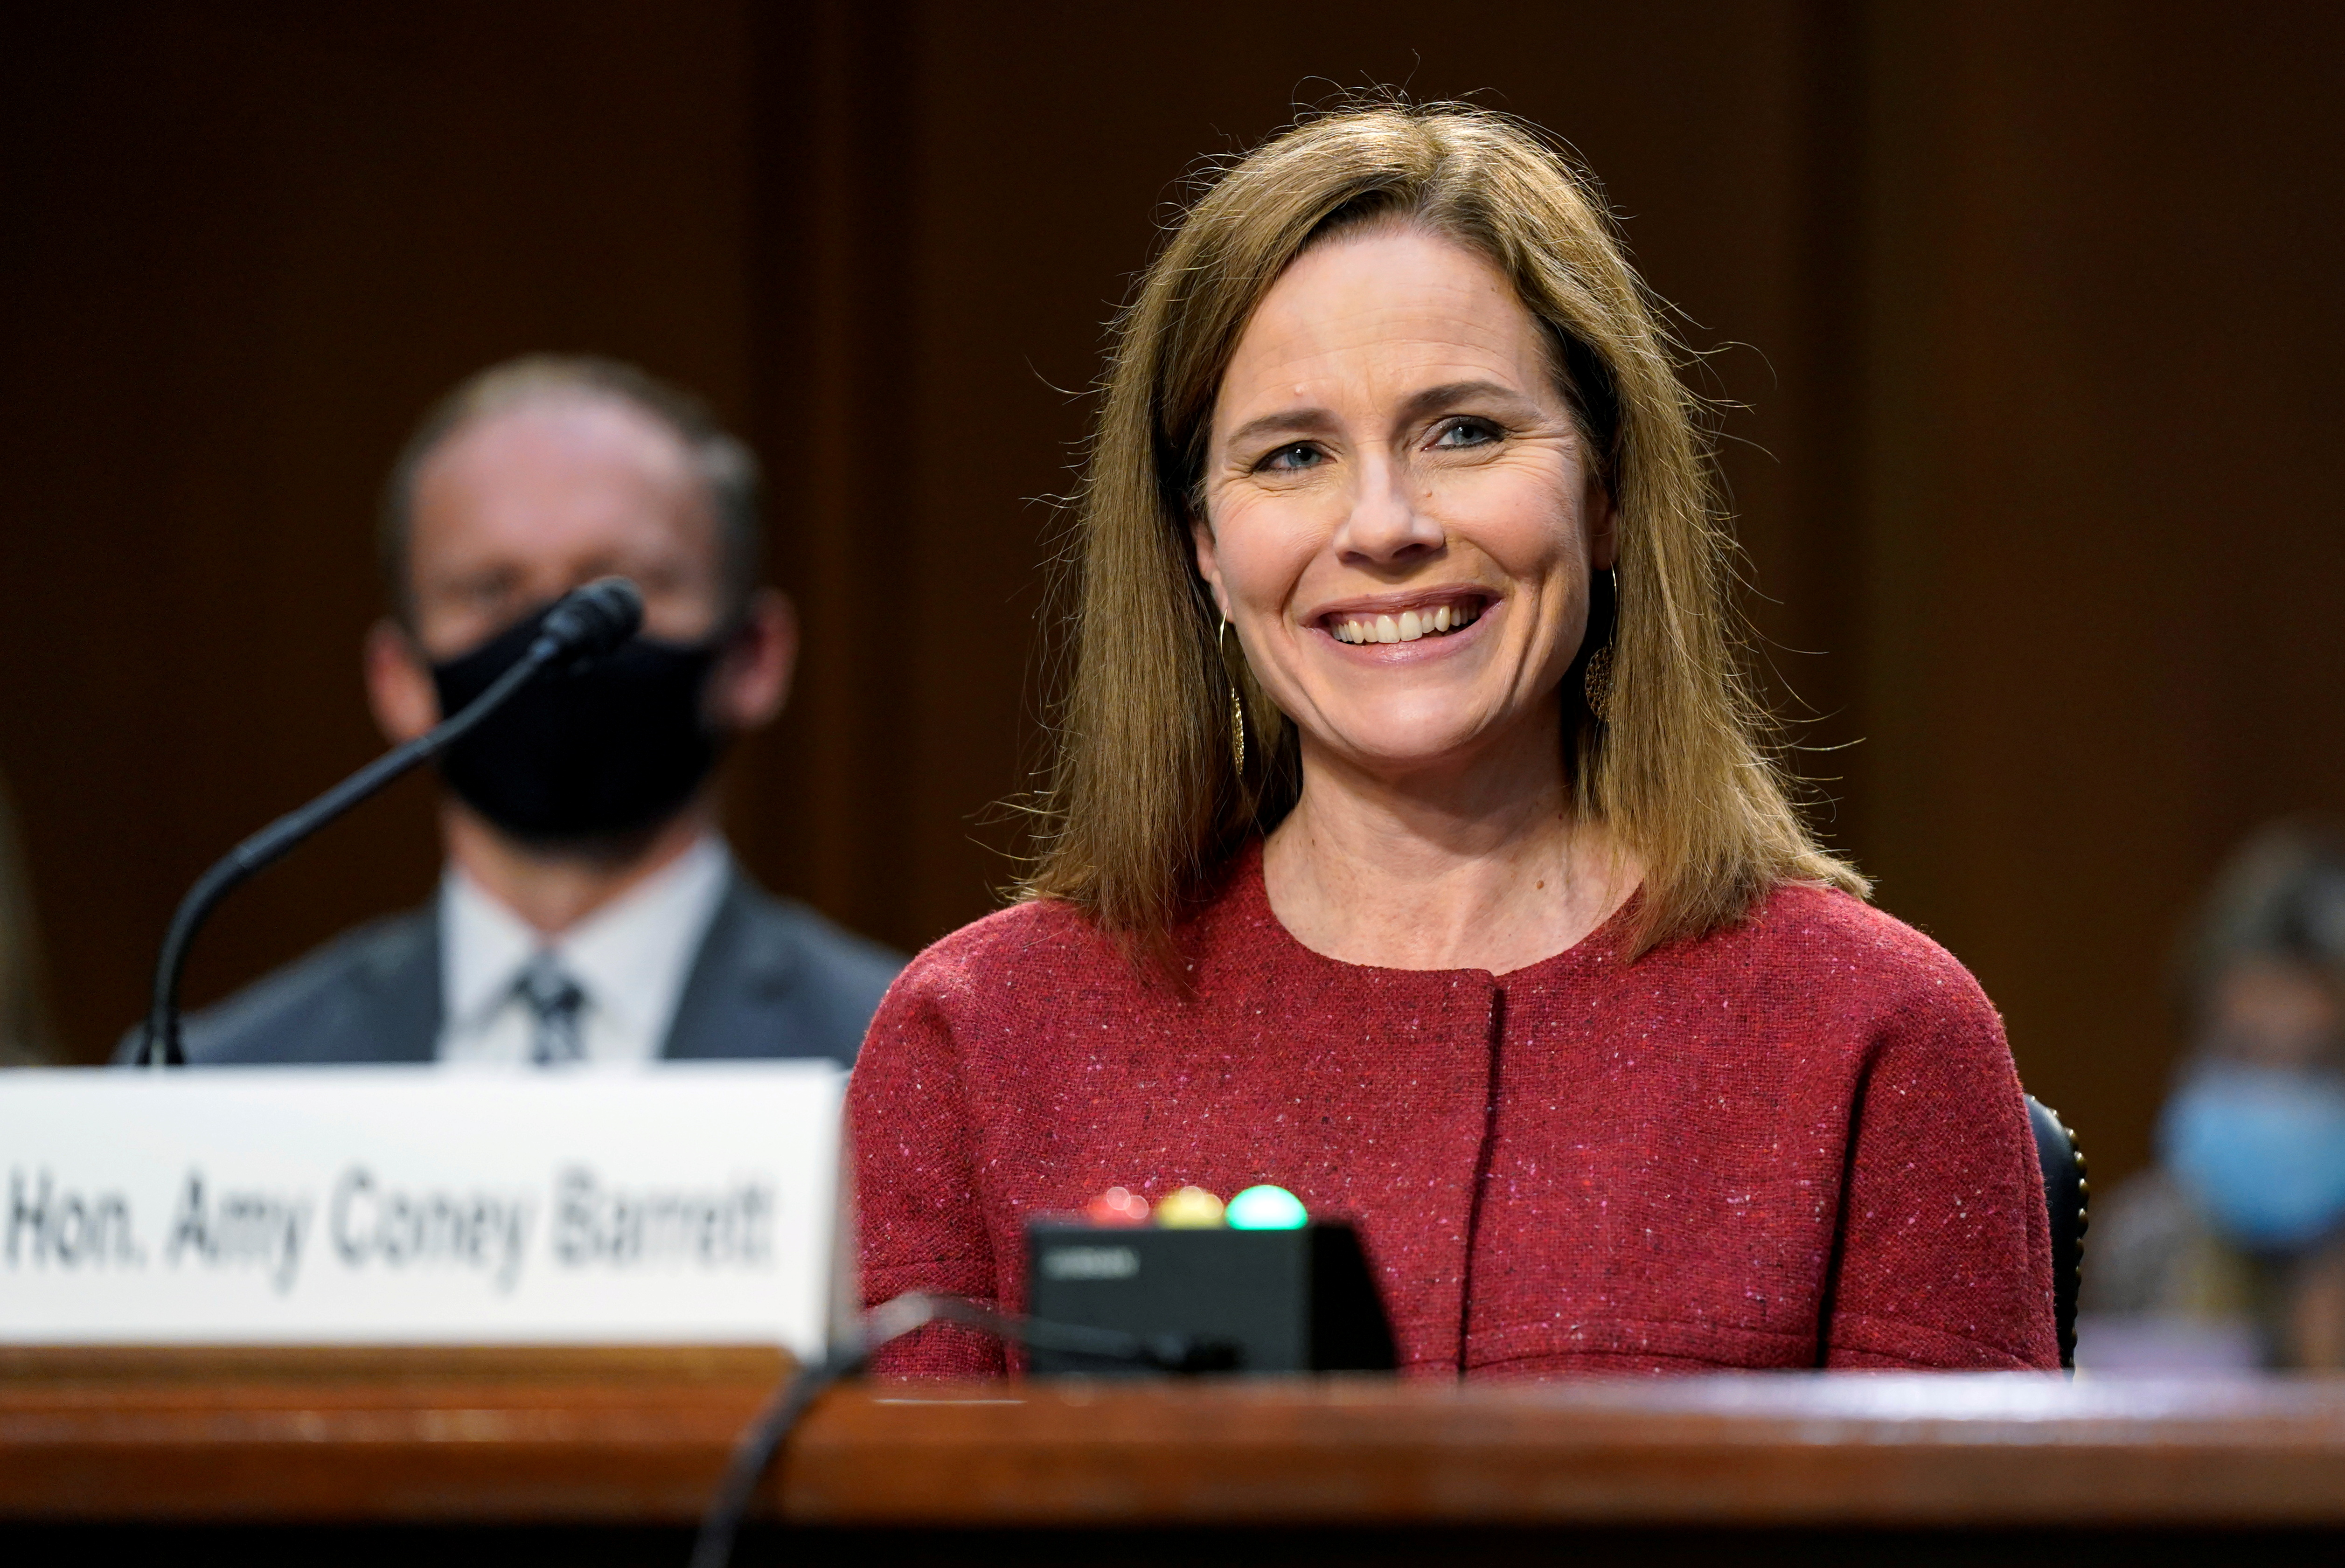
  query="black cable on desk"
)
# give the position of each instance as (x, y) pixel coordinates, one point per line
(765, 1437)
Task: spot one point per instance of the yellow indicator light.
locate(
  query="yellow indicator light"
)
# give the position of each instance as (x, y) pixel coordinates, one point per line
(1189, 1208)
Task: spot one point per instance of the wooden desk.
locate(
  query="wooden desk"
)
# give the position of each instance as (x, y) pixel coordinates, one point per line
(621, 1448)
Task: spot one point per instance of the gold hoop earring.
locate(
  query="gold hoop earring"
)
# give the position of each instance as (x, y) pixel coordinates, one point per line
(1237, 705)
(1596, 680)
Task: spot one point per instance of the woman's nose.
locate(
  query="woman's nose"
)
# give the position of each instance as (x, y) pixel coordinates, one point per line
(1385, 523)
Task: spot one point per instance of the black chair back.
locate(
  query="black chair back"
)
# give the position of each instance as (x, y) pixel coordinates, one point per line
(2066, 1194)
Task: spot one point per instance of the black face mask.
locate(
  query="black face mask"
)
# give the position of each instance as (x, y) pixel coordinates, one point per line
(596, 753)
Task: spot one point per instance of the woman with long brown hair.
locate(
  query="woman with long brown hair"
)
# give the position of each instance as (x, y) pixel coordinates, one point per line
(1414, 844)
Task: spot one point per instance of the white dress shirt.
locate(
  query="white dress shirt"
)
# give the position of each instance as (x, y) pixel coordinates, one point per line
(630, 958)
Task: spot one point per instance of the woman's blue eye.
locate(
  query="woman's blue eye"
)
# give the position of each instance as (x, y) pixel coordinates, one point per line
(1298, 456)
(1465, 433)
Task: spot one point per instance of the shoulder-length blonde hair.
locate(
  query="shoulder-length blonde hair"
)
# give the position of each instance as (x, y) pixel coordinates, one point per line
(1147, 800)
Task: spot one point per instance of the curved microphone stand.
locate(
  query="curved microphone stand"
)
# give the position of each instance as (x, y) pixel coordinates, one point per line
(583, 624)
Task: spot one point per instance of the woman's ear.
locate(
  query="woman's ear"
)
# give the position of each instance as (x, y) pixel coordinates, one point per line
(1603, 534)
(1209, 565)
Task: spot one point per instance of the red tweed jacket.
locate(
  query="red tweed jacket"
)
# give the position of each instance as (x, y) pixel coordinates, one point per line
(1797, 1142)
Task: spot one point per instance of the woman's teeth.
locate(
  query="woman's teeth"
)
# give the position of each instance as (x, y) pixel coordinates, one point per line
(1408, 625)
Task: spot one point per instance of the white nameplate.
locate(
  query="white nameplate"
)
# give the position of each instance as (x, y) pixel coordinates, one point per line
(678, 1203)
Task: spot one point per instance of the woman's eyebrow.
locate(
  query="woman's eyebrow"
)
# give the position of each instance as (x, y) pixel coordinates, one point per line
(1432, 400)
(1308, 420)
(1298, 422)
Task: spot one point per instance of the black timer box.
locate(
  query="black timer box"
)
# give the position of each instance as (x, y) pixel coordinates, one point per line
(1298, 1300)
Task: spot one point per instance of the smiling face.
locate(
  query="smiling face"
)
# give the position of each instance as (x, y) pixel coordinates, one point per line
(1400, 515)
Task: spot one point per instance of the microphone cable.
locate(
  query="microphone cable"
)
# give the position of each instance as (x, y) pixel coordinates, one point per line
(762, 1442)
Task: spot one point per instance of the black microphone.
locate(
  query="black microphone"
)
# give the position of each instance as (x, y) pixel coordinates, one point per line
(585, 623)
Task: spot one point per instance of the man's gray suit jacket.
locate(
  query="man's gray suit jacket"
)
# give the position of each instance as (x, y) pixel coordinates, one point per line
(772, 978)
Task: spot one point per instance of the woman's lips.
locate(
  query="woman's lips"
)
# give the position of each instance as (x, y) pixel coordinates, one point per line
(1433, 617)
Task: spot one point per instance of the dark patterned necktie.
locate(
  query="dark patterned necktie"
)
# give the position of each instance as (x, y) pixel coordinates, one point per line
(554, 1002)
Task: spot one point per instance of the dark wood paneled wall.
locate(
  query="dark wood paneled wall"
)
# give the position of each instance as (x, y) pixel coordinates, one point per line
(2103, 563)
(2025, 318)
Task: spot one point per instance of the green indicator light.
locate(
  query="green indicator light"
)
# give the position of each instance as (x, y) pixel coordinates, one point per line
(1266, 1208)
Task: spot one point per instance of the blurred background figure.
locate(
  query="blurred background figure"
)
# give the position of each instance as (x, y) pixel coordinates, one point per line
(589, 910)
(24, 1027)
(2231, 1249)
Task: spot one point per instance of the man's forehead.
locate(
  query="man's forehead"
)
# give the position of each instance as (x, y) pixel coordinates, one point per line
(598, 436)
(561, 469)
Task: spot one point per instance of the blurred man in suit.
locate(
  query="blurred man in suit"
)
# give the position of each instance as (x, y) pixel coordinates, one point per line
(589, 909)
